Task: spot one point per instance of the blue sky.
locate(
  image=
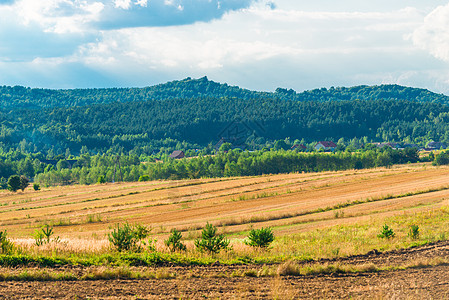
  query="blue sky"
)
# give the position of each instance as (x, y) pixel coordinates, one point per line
(255, 44)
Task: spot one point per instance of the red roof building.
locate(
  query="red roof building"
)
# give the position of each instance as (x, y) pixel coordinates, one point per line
(325, 145)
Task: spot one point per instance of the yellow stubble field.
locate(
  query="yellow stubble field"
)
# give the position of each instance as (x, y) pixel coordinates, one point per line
(289, 203)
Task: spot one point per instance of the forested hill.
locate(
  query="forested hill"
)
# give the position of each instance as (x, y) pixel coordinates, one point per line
(198, 112)
(21, 97)
(246, 123)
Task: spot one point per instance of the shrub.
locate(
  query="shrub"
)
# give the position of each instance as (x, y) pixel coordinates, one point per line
(210, 241)
(261, 238)
(414, 232)
(6, 245)
(47, 230)
(101, 179)
(128, 237)
(174, 241)
(144, 178)
(122, 238)
(36, 186)
(38, 237)
(441, 159)
(141, 231)
(43, 235)
(386, 232)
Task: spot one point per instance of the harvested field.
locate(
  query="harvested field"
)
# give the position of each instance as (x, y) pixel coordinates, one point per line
(326, 227)
(290, 203)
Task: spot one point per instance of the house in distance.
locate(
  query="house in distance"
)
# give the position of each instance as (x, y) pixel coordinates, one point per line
(326, 146)
(177, 154)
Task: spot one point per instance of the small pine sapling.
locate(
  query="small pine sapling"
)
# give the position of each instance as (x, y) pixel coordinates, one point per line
(414, 232)
(261, 238)
(386, 232)
(174, 241)
(210, 241)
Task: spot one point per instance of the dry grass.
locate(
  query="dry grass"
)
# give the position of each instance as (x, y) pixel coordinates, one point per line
(292, 204)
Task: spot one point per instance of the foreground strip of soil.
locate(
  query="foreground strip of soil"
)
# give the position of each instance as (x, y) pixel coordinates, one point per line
(425, 283)
(419, 280)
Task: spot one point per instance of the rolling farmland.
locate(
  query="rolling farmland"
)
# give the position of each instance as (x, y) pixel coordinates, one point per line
(289, 203)
(325, 223)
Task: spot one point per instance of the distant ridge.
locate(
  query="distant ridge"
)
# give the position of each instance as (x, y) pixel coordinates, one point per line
(203, 112)
(188, 88)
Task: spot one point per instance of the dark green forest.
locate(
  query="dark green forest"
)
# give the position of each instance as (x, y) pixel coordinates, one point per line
(190, 114)
(93, 126)
(29, 98)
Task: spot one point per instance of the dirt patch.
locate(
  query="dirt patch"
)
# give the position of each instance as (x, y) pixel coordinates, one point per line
(227, 282)
(427, 283)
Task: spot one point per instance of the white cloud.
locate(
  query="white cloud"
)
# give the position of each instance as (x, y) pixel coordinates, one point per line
(60, 16)
(143, 3)
(123, 4)
(295, 44)
(308, 45)
(433, 35)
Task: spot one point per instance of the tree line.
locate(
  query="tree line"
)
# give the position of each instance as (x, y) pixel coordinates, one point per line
(103, 168)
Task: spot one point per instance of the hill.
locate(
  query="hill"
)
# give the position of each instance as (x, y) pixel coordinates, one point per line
(22, 97)
(195, 113)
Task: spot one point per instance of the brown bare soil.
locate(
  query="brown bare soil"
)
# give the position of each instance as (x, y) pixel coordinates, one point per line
(217, 282)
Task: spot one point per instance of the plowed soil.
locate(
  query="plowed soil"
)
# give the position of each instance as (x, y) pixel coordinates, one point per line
(214, 282)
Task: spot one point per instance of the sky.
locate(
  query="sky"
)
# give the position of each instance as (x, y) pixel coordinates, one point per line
(254, 44)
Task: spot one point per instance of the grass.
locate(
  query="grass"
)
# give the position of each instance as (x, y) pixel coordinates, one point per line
(336, 241)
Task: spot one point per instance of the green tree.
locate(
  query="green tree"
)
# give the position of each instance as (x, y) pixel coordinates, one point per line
(281, 145)
(101, 179)
(225, 147)
(23, 182)
(210, 241)
(14, 183)
(174, 241)
(261, 238)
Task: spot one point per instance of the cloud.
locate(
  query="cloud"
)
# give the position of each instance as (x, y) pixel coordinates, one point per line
(29, 29)
(257, 44)
(433, 35)
(155, 13)
(264, 47)
(59, 16)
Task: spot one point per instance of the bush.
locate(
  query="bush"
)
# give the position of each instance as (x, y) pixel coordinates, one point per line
(6, 245)
(386, 232)
(144, 178)
(101, 179)
(441, 159)
(43, 235)
(261, 238)
(174, 241)
(414, 232)
(36, 186)
(128, 237)
(210, 241)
